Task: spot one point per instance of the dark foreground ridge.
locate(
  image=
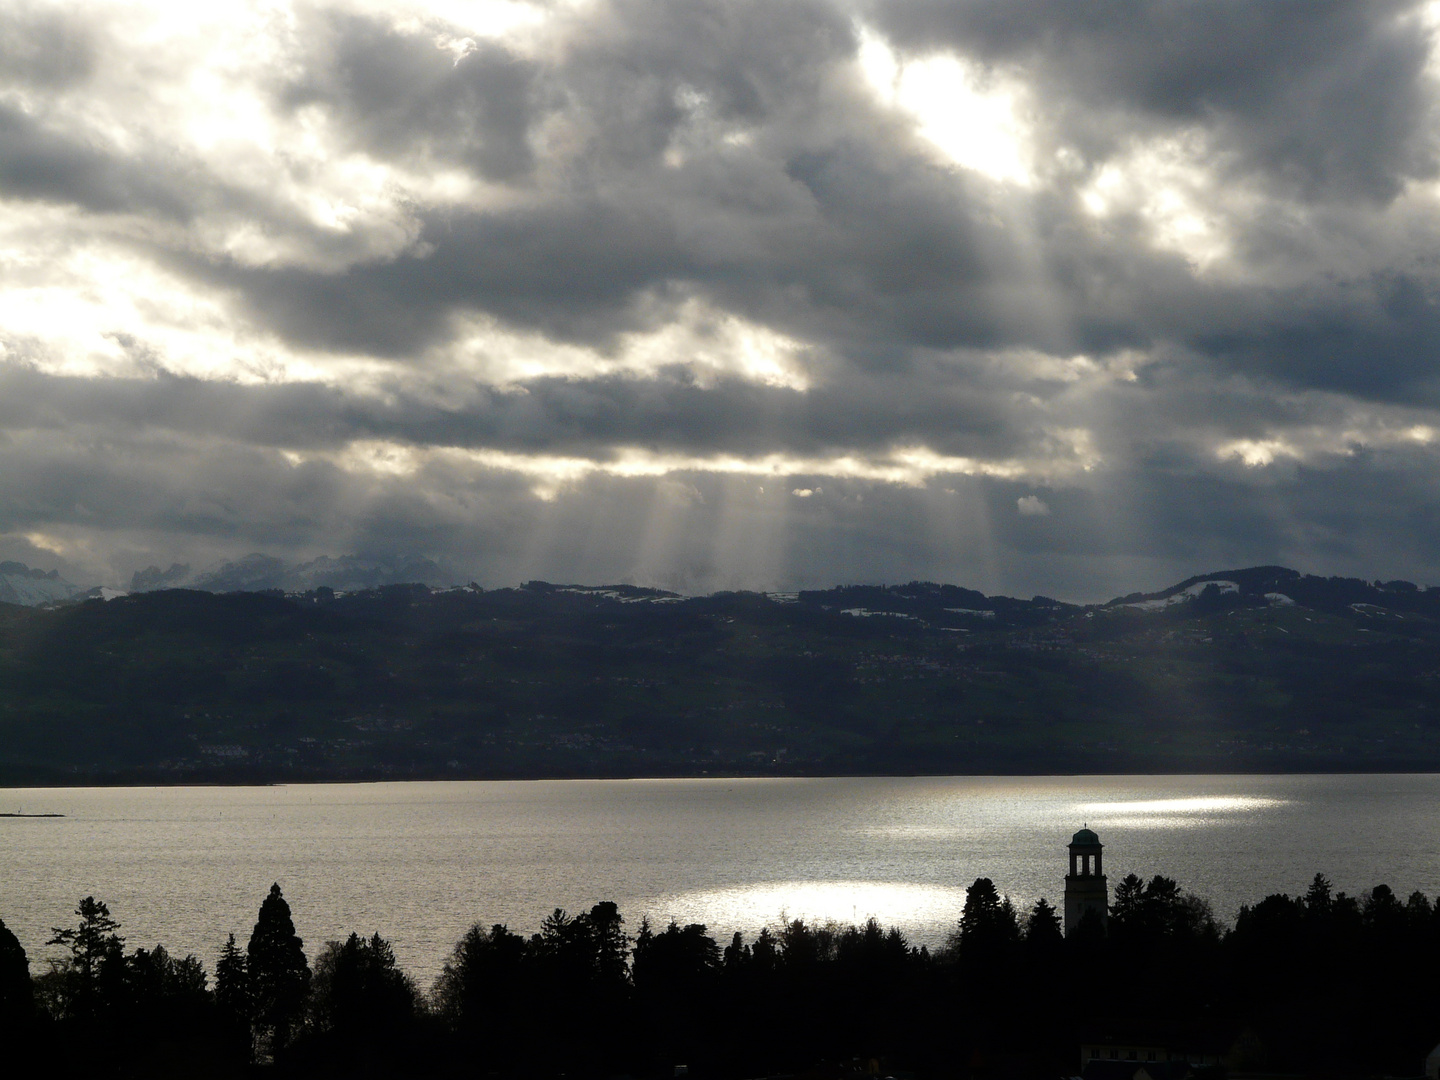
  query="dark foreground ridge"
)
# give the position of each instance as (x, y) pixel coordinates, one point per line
(1318, 985)
(1263, 670)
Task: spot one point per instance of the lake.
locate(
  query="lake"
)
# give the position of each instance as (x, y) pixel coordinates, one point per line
(420, 862)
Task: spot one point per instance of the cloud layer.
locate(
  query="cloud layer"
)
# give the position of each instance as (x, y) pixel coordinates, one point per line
(1033, 296)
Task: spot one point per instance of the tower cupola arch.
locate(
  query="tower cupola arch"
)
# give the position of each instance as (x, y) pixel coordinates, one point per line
(1085, 853)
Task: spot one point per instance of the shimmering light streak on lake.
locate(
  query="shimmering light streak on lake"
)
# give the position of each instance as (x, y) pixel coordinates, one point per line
(1167, 808)
(749, 907)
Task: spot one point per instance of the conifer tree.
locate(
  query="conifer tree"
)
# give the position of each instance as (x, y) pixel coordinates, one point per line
(232, 984)
(1042, 927)
(358, 989)
(16, 993)
(1318, 899)
(97, 959)
(482, 981)
(611, 946)
(988, 922)
(278, 974)
(736, 953)
(92, 939)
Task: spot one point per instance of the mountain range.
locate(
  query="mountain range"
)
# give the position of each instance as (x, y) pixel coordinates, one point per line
(20, 584)
(1258, 669)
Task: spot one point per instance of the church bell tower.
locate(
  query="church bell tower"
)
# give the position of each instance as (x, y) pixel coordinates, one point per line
(1085, 888)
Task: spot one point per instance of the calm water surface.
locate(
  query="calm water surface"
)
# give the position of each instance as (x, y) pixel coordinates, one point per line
(420, 862)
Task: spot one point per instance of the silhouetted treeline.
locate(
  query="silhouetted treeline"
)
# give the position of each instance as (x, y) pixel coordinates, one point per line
(1321, 983)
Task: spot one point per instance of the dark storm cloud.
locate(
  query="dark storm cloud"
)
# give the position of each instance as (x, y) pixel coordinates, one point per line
(401, 93)
(638, 161)
(45, 49)
(37, 163)
(669, 414)
(871, 248)
(864, 242)
(1376, 337)
(751, 62)
(841, 246)
(194, 488)
(573, 258)
(1322, 96)
(570, 270)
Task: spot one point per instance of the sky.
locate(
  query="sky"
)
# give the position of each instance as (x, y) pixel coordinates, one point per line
(1032, 297)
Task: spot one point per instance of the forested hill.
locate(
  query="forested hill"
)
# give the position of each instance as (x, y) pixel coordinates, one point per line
(1258, 669)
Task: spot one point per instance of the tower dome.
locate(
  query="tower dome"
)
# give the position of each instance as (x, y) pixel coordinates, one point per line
(1085, 838)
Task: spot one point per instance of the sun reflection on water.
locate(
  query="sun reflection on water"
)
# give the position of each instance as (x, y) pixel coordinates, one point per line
(1193, 810)
(749, 907)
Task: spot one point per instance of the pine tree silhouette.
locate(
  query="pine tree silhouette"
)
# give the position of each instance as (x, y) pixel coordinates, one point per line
(16, 993)
(278, 975)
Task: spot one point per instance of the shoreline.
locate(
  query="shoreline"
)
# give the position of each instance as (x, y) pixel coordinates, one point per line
(141, 781)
